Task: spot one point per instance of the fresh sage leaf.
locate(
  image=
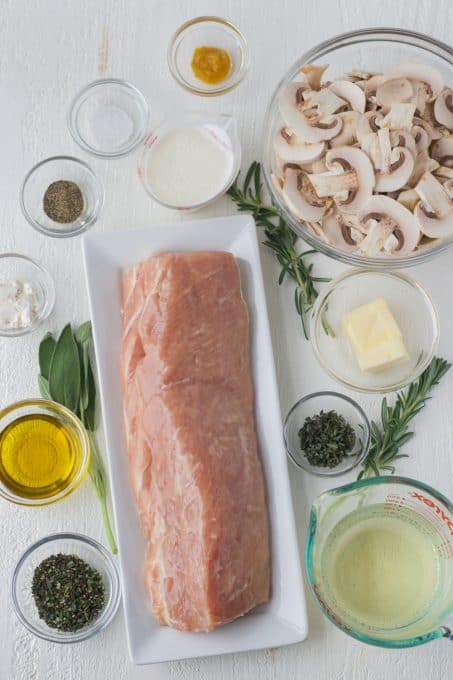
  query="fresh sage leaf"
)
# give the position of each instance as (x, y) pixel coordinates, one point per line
(43, 385)
(64, 374)
(46, 350)
(90, 410)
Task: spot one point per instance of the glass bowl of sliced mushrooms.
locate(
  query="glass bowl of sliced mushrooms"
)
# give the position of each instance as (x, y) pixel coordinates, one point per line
(358, 151)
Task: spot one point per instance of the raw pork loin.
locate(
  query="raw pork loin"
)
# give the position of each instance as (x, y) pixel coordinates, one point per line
(191, 442)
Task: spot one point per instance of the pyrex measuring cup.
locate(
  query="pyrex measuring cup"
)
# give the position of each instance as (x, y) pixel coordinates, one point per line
(417, 509)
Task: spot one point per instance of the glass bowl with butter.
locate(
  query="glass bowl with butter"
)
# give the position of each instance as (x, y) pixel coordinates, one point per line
(373, 330)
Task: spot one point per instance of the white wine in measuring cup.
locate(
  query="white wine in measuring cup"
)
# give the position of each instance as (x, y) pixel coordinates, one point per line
(379, 560)
(382, 568)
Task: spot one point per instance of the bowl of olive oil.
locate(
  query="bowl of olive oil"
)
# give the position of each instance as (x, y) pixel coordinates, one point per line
(44, 452)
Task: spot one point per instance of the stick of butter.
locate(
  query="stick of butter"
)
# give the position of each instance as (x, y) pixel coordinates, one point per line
(375, 336)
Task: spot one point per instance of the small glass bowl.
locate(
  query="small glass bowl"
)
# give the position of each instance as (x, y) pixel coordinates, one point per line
(221, 127)
(312, 405)
(108, 118)
(414, 313)
(210, 32)
(74, 429)
(51, 170)
(15, 267)
(67, 543)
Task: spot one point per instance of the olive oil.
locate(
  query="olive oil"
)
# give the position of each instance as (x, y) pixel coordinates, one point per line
(39, 456)
(382, 568)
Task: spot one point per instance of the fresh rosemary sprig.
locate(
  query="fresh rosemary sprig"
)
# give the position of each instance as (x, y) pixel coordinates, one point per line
(388, 436)
(280, 239)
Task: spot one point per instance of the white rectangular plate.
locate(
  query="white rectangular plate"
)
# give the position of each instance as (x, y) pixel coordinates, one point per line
(283, 619)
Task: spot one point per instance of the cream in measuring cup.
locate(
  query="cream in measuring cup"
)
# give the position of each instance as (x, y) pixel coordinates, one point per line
(380, 560)
(190, 160)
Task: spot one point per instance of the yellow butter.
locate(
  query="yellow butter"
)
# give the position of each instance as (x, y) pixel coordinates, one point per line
(375, 336)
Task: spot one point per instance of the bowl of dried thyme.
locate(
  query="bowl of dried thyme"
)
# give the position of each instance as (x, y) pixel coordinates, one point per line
(327, 434)
(61, 196)
(65, 588)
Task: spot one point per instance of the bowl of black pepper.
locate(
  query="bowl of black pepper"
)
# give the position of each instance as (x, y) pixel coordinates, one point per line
(65, 588)
(61, 196)
(327, 434)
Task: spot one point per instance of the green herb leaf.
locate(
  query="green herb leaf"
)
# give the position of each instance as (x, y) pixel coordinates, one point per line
(392, 432)
(90, 410)
(72, 383)
(64, 373)
(43, 385)
(46, 350)
(280, 239)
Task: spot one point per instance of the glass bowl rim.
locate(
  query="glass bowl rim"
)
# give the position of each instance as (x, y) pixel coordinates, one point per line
(401, 277)
(107, 614)
(49, 301)
(147, 149)
(229, 84)
(363, 35)
(82, 435)
(80, 94)
(329, 472)
(99, 190)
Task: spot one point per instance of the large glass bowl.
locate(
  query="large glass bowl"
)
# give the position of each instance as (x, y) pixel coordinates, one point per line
(377, 49)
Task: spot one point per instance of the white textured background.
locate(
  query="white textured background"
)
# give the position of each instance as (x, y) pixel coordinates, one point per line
(48, 50)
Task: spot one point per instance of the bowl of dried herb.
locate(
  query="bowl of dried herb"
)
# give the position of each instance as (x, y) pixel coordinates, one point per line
(327, 434)
(65, 588)
(61, 196)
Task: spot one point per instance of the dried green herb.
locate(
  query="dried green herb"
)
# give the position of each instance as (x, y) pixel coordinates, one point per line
(388, 436)
(68, 592)
(326, 438)
(63, 201)
(281, 239)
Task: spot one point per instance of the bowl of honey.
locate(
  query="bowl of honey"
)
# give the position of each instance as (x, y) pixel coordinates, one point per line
(44, 452)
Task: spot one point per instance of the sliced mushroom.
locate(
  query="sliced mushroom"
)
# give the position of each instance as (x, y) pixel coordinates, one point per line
(432, 132)
(420, 72)
(351, 93)
(339, 234)
(448, 187)
(443, 108)
(423, 163)
(353, 76)
(370, 145)
(312, 130)
(399, 171)
(348, 134)
(403, 138)
(385, 151)
(409, 198)
(373, 83)
(313, 74)
(300, 197)
(399, 117)
(443, 172)
(325, 101)
(421, 95)
(394, 91)
(434, 212)
(388, 217)
(421, 138)
(442, 151)
(350, 179)
(290, 149)
(367, 123)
